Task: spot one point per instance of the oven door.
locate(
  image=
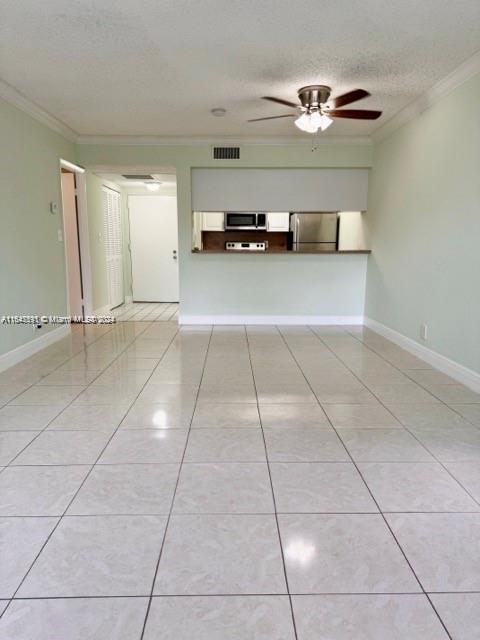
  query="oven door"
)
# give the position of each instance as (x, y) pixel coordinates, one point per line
(240, 220)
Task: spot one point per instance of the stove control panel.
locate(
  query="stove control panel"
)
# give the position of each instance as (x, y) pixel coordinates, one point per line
(246, 246)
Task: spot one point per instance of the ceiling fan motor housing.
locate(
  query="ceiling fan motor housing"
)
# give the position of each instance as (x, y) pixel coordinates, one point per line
(313, 96)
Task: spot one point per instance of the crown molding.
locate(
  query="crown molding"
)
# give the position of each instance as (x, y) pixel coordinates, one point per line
(221, 140)
(443, 87)
(14, 97)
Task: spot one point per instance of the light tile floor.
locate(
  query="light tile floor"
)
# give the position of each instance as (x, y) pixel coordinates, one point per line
(236, 483)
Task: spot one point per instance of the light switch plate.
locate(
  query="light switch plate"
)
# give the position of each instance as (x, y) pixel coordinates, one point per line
(53, 207)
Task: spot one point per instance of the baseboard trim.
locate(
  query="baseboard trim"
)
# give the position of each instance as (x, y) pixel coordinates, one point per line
(24, 351)
(284, 320)
(455, 370)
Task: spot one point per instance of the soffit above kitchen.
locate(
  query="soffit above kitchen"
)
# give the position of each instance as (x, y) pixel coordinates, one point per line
(143, 67)
(129, 180)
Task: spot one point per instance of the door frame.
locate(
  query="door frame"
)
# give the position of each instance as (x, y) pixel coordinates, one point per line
(82, 224)
(152, 195)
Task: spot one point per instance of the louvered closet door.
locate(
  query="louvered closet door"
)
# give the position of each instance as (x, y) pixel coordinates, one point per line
(113, 245)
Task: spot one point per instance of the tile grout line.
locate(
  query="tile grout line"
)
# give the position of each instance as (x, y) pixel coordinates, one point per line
(151, 597)
(129, 314)
(64, 362)
(85, 346)
(157, 566)
(246, 595)
(236, 513)
(403, 372)
(134, 312)
(73, 399)
(407, 428)
(363, 479)
(439, 462)
(292, 613)
(41, 431)
(192, 462)
(171, 316)
(88, 473)
(424, 386)
(374, 499)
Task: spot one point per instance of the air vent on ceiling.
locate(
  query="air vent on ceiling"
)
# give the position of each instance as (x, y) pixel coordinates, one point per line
(226, 153)
(137, 176)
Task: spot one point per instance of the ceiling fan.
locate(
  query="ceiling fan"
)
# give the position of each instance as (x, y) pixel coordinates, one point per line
(316, 110)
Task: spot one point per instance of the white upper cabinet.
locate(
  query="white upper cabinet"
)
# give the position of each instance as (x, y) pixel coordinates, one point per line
(213, 221)
(278, 221)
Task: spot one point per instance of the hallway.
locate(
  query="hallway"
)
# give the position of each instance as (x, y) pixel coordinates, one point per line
(146, 312)
(236, 482)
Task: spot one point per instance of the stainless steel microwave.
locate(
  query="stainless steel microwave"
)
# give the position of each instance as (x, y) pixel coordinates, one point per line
(244, 220)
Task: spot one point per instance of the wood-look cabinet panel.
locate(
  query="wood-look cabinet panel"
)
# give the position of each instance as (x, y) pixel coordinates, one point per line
(215, 240)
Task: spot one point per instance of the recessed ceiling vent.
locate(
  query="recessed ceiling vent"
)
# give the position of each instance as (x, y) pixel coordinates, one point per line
(137, 176)
(226, 153)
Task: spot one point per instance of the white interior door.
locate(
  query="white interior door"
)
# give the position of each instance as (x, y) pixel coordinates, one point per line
(154, 248)
(113, 245)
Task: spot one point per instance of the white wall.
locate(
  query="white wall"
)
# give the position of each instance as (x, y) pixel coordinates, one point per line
(283, 285)
(279, 189)
(32, 260)
(242, 285)
(424, 223)
(246, 287)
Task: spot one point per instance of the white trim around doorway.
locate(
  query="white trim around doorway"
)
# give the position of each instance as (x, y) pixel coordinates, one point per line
(86, 268)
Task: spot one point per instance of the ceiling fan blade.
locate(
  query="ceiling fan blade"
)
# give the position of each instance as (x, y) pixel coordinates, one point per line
(281, 101)
(356, 114)
(288, 115)
(348, 98)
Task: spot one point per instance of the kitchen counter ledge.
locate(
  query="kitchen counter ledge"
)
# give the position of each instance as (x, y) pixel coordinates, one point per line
(282, 252)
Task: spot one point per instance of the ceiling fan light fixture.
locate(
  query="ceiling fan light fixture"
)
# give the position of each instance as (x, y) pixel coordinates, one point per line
(305, 123)
(153, 186)
(312, 121)
(325, 121)
(316, 119)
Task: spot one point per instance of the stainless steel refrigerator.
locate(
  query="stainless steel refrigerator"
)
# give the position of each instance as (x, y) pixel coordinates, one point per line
(316, 231)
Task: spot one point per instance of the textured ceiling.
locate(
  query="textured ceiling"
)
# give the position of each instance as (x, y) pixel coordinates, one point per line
(157, 67)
